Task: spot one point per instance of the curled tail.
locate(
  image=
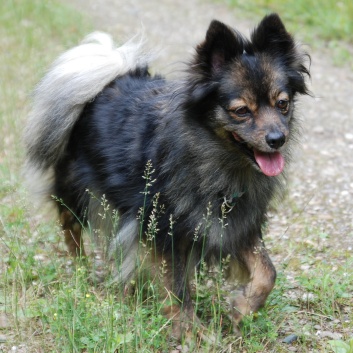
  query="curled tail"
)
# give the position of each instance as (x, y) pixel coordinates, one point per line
(74, 79)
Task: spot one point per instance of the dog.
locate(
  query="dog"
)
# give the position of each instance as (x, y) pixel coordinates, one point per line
(172, 157)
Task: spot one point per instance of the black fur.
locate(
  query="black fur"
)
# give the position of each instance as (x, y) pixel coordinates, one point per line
(197, 144)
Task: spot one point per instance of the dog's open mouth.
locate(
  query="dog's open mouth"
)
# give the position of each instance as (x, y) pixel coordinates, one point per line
(270, 163)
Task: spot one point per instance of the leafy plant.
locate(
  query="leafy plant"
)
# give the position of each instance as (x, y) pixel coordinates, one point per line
(339, 346)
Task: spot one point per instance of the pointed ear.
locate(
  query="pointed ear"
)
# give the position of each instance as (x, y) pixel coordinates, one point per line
(221, 45)
(272, 37)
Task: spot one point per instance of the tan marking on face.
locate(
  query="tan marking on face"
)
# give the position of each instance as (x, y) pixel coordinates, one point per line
(275, 96)
(236, 103)
(272, 72)
(283, 96)
(247, 101)
(266, 116)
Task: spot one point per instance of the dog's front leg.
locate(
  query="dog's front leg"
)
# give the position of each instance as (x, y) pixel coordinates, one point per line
(261, 276)
(178, 304)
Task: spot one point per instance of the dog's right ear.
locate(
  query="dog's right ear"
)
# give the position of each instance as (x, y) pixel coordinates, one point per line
(222, 44)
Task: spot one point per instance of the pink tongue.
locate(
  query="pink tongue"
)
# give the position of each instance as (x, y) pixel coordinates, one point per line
(271, 164)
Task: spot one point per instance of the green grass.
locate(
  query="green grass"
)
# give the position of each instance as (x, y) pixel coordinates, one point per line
(50, 304)
(25, 54)
(329, 19)
(82, 317)
(321, 23)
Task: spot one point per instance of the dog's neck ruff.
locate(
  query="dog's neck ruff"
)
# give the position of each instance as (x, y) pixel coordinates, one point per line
(230, 201)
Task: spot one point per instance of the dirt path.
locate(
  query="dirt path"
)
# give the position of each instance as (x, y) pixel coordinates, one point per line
(321, 194)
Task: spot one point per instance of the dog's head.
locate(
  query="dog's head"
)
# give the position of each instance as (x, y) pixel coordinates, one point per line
(245, 90)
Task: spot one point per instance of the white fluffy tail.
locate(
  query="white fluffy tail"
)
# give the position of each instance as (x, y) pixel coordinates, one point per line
(75, 78)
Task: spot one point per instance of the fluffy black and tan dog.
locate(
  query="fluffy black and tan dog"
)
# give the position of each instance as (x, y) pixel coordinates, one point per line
(218, 141)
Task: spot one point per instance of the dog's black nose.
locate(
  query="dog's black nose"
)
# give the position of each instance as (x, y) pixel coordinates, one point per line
(275, 139)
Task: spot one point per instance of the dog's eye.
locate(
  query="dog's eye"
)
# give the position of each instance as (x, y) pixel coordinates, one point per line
(241, 111)
(283, 105)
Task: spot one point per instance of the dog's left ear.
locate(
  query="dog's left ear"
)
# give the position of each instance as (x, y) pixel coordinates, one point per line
(222, 44)
(271, 37)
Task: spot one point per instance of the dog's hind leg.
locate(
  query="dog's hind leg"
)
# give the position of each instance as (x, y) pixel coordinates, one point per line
(72, 232)
(261, 276)
(66, 196)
